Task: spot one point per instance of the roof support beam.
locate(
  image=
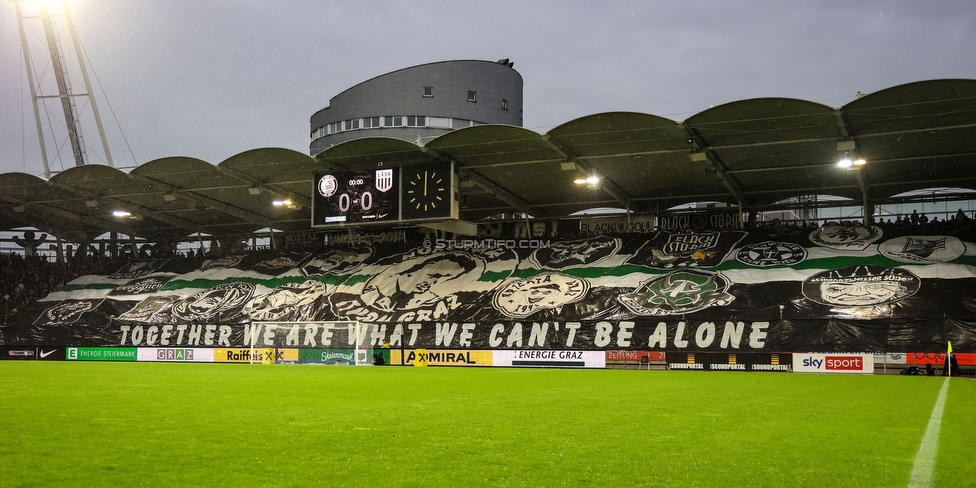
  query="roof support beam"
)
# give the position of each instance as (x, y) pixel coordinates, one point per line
(721, 170)
(608, 185)
(106, 224)
(128, 206)
(268, 187)
(210, 202)
(485, 184)
(499, 192)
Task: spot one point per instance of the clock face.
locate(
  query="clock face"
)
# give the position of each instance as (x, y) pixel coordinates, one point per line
(427, 192)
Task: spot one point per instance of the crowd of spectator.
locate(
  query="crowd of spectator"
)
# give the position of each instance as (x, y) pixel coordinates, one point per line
(25, 279)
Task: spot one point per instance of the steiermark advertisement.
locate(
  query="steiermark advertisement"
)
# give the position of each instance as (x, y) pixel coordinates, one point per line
(102, 354)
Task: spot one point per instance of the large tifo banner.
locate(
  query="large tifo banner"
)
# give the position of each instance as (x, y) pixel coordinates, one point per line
(830, 289)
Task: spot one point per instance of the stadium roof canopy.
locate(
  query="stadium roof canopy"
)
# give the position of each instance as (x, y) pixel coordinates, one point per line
(750, 153)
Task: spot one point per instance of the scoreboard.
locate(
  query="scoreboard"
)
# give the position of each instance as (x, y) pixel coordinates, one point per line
(384, 195)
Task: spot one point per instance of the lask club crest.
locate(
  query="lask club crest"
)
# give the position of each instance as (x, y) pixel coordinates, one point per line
(384, 180)
(678, 292)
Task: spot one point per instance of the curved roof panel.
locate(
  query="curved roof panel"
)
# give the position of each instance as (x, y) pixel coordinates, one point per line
(753, 153)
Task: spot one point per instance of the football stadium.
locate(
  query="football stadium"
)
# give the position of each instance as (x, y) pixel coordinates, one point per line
(771, 292)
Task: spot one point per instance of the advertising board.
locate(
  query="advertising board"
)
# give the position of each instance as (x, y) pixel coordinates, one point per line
(102, 354)
(176, 354)
(833, 363)
(550, 359)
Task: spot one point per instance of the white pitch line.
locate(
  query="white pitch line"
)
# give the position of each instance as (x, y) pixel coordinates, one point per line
(925, 457)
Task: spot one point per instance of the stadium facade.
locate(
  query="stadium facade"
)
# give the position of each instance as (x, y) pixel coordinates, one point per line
(422, 102)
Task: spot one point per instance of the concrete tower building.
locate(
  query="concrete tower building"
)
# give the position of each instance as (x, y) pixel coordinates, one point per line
(420, 103)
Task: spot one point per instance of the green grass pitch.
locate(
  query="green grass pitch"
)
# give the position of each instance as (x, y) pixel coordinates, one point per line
(126, 424)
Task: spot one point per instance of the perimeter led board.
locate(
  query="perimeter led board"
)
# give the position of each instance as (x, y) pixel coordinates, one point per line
(356, 197)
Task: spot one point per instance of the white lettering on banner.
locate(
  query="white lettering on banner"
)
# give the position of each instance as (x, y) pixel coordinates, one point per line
(732, 335)
(705, 335)
(602, 335)
(572, 327)
(515, 335)
(493, 339)
(414, 330)
(537, 337)
(625, 333)
(659, 338)
(679, 340)
(444, 333)
(219, 335)
(467, 333)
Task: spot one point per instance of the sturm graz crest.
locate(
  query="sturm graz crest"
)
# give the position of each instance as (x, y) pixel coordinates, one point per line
(522, 297)
(771, 253)
(678, 292)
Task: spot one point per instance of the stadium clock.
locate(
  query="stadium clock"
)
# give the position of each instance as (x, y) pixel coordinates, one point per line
(427, 192)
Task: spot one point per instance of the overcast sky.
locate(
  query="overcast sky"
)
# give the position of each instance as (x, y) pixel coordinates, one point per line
(210, 79)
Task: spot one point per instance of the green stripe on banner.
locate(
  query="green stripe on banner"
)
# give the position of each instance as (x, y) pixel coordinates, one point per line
(89, 286)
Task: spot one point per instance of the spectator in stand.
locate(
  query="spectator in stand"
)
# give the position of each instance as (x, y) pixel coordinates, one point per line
(914, 217)
(961, 216)
(922, 219)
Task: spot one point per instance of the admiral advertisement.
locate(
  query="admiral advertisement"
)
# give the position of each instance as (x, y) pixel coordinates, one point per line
(443, 357)
(831, 289)
(834, 363)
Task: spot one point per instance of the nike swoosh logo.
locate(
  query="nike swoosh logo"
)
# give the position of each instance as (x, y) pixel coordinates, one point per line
(46, 354)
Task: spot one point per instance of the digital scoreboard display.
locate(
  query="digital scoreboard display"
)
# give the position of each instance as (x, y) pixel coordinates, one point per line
(356, 197)
(424, 192)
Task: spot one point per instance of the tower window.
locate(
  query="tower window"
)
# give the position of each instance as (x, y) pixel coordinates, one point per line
(504, 104)
(472, 96)
(428, 92)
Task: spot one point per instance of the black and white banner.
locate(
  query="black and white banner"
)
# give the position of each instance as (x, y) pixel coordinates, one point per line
(837, 288)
